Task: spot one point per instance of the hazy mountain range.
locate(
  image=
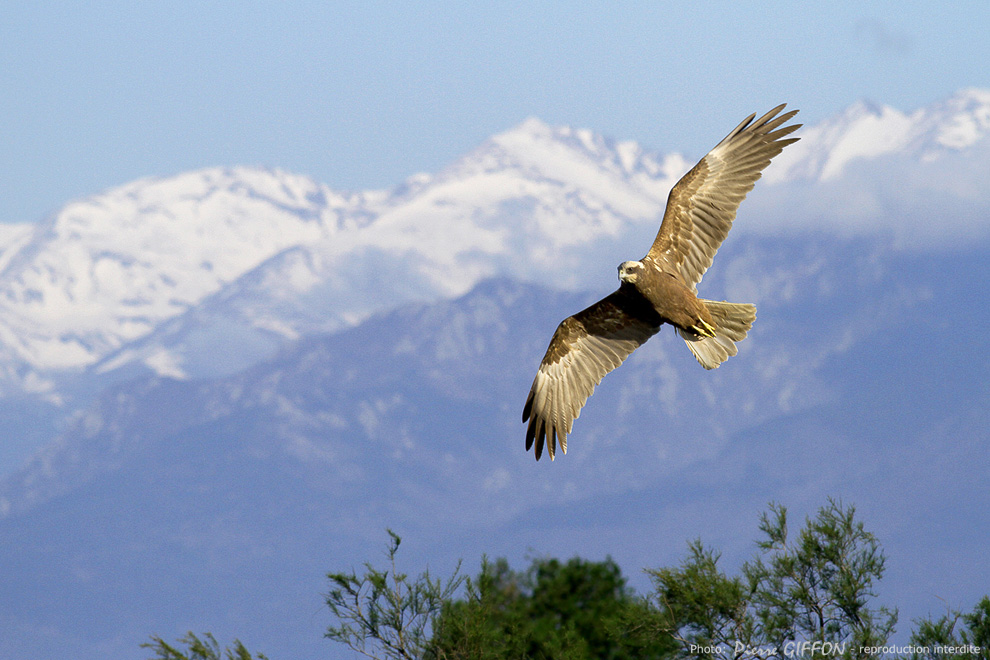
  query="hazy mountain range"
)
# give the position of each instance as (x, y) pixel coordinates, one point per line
(242, 376)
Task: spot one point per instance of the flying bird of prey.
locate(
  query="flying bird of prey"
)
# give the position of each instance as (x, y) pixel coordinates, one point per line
(661, 287)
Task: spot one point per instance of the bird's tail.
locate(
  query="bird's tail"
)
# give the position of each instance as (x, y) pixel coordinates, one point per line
(732, 322)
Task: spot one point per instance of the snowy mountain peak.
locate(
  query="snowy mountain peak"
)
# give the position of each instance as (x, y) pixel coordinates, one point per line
(863, 130)
(534, 139)
(107, 269)
(961, 120)
(866, 130)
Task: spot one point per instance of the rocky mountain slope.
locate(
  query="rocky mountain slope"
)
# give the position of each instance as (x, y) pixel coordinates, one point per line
(219, 503)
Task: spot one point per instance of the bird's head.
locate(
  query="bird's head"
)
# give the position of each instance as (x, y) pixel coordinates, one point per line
(629, 271)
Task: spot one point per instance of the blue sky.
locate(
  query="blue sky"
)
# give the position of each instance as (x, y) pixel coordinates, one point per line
(361, 95)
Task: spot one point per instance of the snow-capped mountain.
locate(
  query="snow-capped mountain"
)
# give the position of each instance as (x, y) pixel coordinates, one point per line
(107, 270)
(866, 130)
(157, 269)
(206, 272)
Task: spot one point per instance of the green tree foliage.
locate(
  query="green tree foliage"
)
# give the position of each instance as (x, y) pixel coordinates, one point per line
(955, 635)
(383, 614)
(205, 648)
(574, 610)
(814, 588)
(807, 595)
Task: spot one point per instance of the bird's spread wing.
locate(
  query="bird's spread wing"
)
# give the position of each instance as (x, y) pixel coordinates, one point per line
(584, 348)
(703, 204)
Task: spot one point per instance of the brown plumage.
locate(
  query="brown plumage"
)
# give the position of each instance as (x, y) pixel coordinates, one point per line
(661, 287)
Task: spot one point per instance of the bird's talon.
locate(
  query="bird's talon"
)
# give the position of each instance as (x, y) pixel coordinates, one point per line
(704, 329)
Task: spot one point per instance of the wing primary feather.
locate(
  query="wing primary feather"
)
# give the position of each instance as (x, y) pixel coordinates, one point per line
(585, 348)
(540, 435)
(702, 205)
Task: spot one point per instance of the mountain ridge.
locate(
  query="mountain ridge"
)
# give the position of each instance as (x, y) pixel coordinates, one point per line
(243, 260)
(774, 275)
(227, 499)
(866, 130)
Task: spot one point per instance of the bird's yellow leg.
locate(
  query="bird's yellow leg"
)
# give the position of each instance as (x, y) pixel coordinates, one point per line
(703, 328)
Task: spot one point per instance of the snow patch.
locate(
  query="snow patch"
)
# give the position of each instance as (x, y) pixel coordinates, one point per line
(166, 364)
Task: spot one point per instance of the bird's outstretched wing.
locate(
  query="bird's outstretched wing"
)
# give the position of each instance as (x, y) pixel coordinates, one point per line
(584, 348)
(703, 204)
